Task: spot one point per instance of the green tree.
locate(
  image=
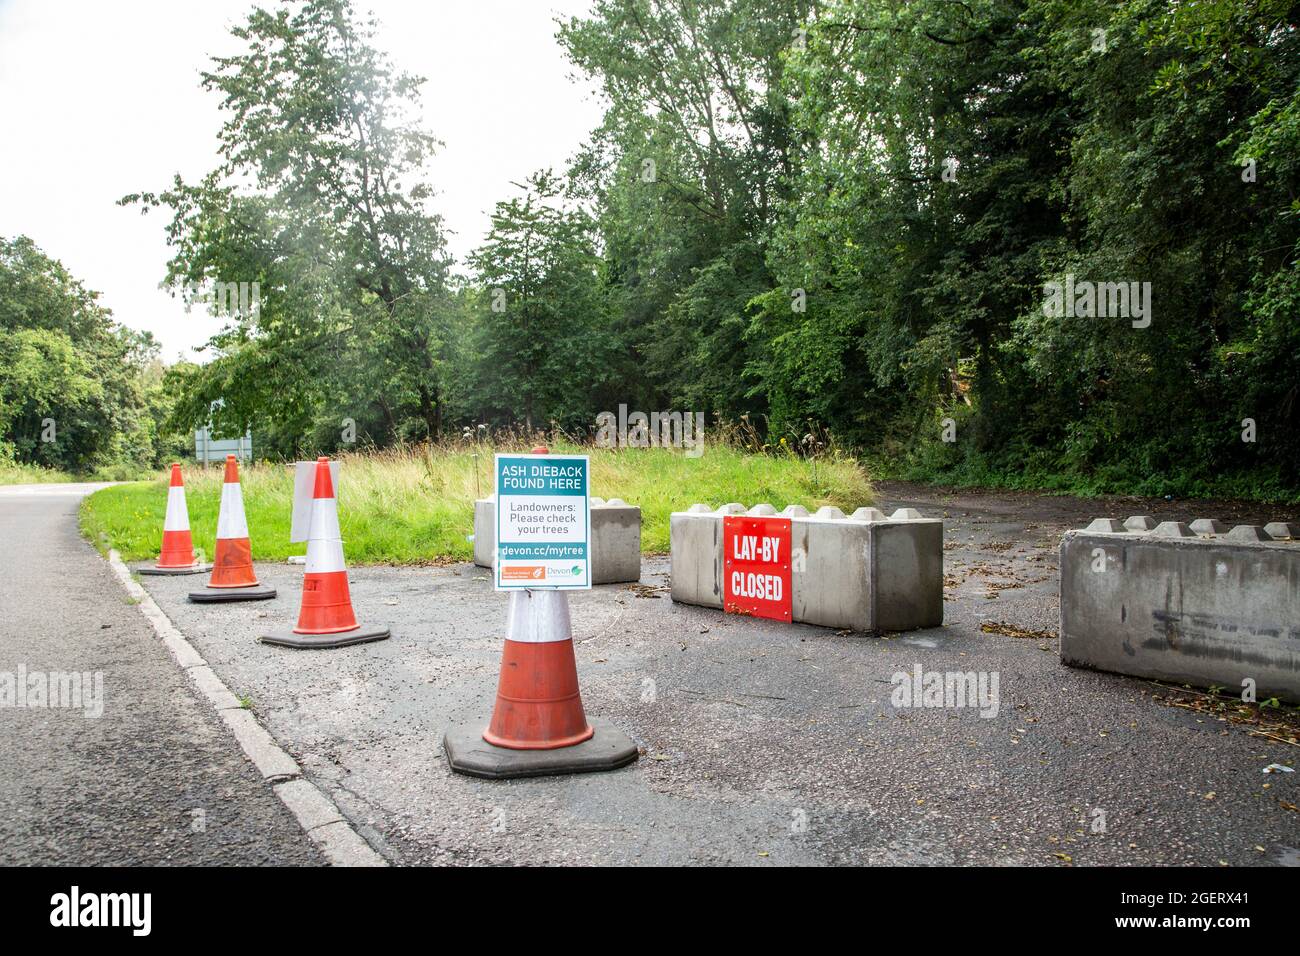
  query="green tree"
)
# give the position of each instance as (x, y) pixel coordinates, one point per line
(72, 395)
(320, 200)
(543, 349)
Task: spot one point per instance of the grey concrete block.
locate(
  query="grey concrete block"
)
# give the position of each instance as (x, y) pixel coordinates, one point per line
(794, 511)
(1108, 525)
(615, 538)
(698, 509)
(905, 514)
(1172, 529)
(1139, 523)
(868, 514)
(485, 532)
(763, 509)
(615, 543)
(1282, 530)
(731, 508)
(828, 513)
(1208, 526)
(1204, 611)
(862, 575)
(1248, 533)
(696, 542)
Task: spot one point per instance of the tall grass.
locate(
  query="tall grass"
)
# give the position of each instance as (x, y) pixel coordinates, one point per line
(415, 505)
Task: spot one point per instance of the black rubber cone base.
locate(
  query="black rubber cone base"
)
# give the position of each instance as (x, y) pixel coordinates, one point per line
(468, 753)
(362, 635)
(255, 592)
(191, 569)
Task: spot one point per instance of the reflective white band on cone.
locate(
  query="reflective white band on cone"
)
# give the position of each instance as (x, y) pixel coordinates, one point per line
(538, 617)
(231, 522)
(178, 516)
(324, 543)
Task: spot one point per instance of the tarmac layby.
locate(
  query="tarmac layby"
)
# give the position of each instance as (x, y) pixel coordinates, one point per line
(763, 743)
(766, 743)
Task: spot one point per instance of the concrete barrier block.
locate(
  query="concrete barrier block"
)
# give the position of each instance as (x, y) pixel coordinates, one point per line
(731, 508)
(1181, 608)
(1111, 525)
(1248, 533)
(696, 543)
(1139, 523)
(868, 514)
(699, 509)
(905, 514)
(615, 542)
(794, 511)
(485, 532)
(1172, 529)
(1204, 526)
(1282, 530)
(865, 575)
(763, 510)
(615, 539)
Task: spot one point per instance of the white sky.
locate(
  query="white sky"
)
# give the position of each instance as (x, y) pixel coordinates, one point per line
(100, 98)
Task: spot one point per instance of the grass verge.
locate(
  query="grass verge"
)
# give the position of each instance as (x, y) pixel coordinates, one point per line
(416, 506)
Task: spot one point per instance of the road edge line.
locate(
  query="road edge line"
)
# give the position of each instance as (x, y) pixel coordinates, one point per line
(318, 815)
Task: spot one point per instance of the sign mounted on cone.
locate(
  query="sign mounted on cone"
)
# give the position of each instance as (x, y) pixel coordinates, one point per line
(543, 522)
(756, 574)
(538, 725)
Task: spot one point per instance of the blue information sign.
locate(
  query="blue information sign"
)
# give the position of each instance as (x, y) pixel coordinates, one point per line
(543, 522)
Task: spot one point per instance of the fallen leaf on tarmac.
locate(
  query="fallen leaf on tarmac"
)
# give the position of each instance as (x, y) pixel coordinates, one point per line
(762, 853)
(1288, 806)
(1210, 796)
(1064, 857)
(1010, 630)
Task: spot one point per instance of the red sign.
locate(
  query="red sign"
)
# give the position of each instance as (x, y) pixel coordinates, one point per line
(756, 566)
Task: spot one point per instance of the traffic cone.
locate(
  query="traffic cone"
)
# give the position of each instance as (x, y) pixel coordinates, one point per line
(538, 704)
(177, 554)
(538, 725)
(325, 618)
(232, 578)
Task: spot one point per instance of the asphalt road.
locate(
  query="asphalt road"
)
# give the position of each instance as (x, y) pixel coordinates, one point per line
(157, 778)
(767, 743)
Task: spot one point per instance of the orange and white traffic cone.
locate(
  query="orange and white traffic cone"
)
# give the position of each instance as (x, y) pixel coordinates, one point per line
(538, 704)
(232, 578)
(538, 725)
(177, 554)
(325, 618)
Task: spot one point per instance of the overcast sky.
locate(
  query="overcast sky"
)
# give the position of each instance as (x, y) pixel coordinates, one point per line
(100, 98)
